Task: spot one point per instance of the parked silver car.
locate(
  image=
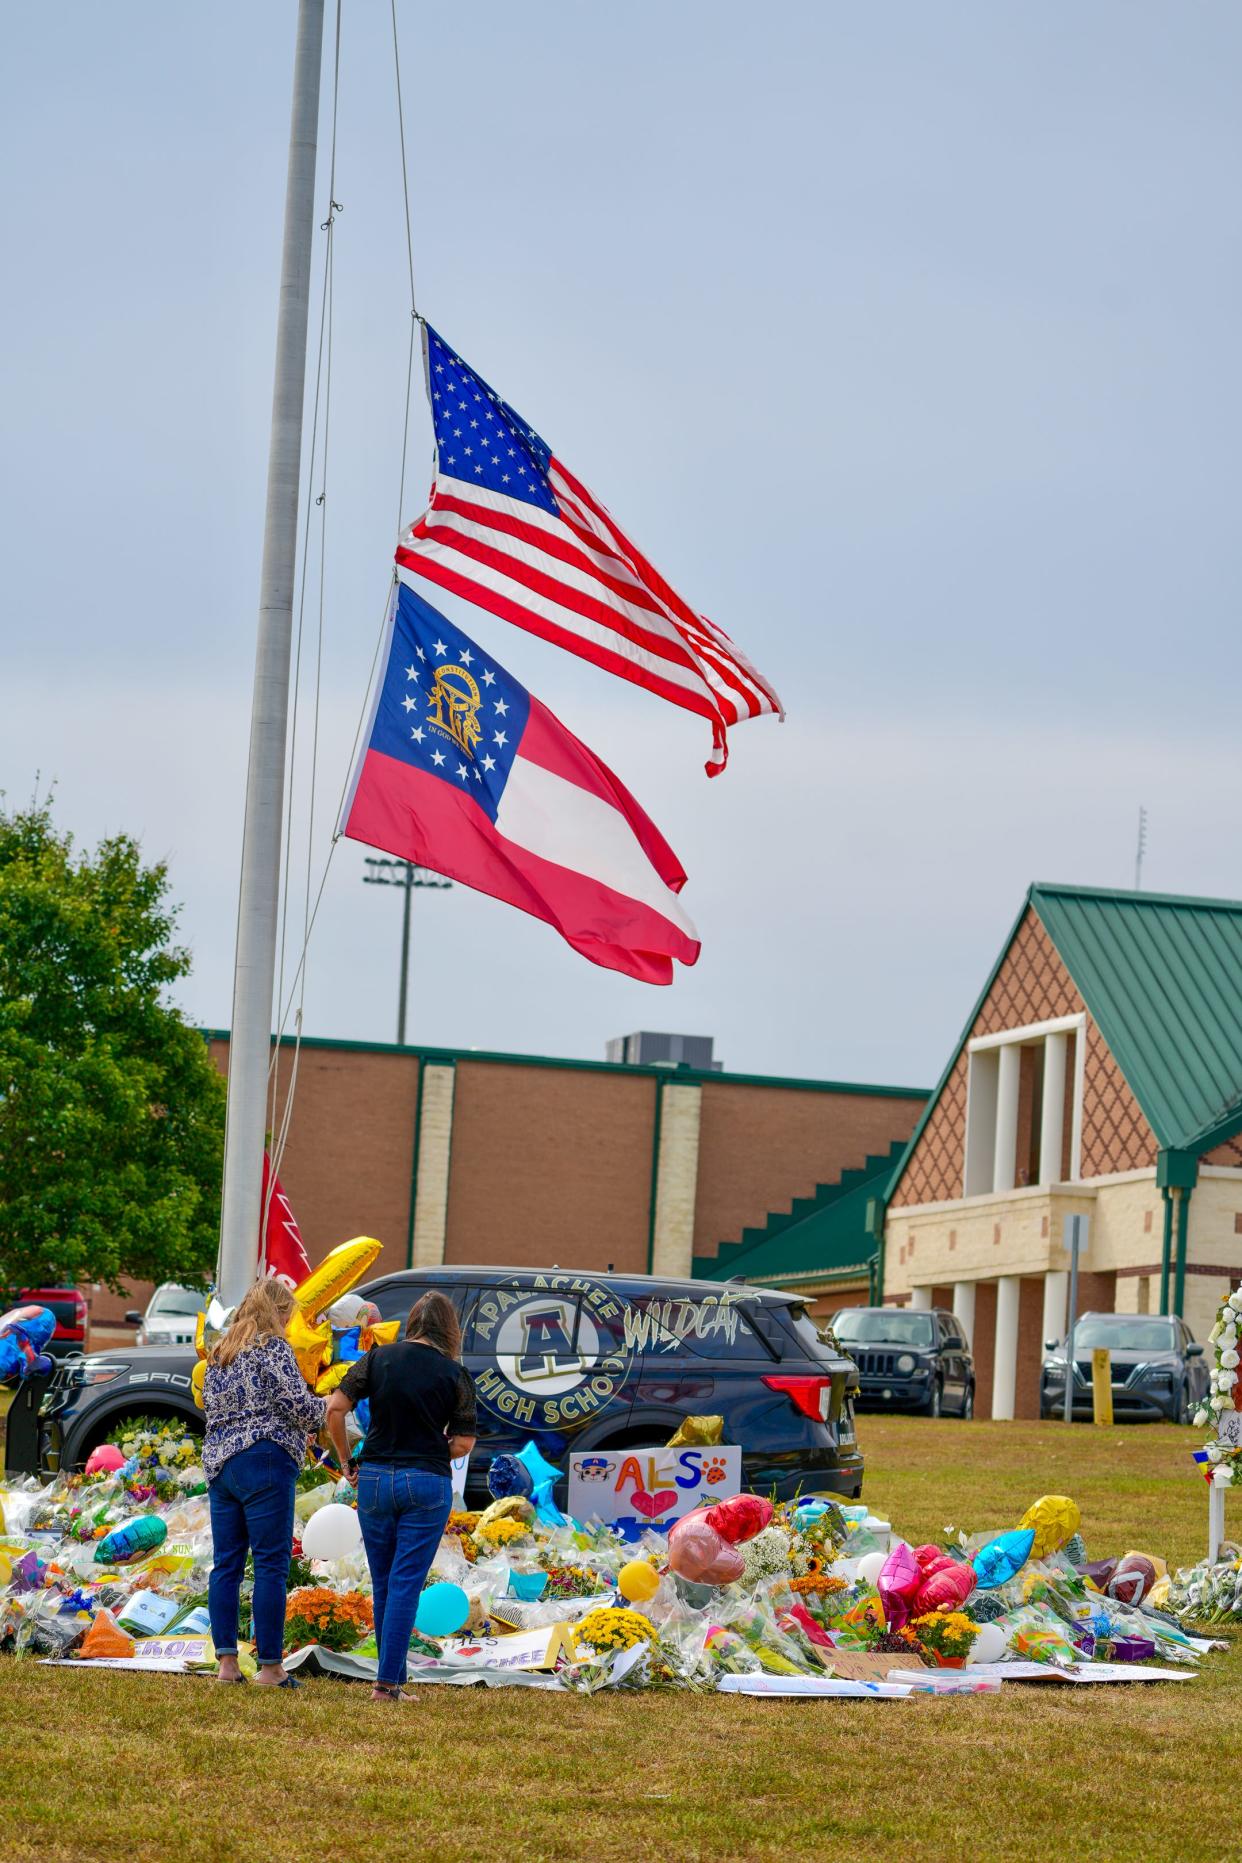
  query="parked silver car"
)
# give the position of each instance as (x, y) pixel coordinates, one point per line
(170, 1316)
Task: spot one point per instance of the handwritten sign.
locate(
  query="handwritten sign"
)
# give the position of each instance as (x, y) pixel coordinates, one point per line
(638, 1488)
(1229, 1429)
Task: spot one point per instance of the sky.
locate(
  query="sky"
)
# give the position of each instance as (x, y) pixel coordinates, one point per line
(903, 339)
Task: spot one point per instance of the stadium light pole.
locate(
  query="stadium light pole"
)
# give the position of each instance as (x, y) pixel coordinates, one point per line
(405, 874)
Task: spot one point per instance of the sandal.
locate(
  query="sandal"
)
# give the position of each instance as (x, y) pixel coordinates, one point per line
(389, 1691)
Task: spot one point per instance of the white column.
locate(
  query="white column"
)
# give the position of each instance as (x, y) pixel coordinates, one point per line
(1005, 1366)
(921, 1299)
(964, 1307)
(1056, 1295)
(1052, 1112)
(1004, 1156)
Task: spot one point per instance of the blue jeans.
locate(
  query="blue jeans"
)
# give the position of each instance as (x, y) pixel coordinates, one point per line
(251, 1503)
(403, 1513)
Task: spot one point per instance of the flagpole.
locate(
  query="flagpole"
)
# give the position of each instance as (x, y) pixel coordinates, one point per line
(255, 964)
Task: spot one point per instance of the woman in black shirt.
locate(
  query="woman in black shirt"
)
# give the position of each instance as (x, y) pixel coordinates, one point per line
(422, 1414)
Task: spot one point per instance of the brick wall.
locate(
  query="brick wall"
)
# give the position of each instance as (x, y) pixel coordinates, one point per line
(983, 1345)
(550, 1165)
(1032, 985)
(760, 1147)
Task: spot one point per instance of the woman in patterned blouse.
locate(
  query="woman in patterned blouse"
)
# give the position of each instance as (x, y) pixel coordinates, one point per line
(259, 1412)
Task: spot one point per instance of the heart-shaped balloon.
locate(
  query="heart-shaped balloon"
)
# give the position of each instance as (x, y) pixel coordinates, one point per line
(651, 1506)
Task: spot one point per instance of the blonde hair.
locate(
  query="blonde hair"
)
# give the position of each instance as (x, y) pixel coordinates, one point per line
(262, 1313)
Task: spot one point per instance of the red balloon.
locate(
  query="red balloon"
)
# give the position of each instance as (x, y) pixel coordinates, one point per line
(741, 1518)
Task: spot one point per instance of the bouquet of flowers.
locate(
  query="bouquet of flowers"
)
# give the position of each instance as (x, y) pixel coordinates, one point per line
(945, 1636)
(612, 1628)
(337, 1619)
(504, 1531)
(1208, 1594)
(572, 1581)
(161, 1459)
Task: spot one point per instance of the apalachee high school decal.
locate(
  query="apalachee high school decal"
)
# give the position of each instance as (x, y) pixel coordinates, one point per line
(540, 1375)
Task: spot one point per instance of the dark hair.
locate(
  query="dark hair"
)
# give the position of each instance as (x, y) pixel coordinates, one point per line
(434, 1318)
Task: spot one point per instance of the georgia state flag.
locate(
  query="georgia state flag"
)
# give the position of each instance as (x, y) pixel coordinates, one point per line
(464, 772)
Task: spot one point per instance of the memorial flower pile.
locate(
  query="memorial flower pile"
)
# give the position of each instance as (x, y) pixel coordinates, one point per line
(776, 1594)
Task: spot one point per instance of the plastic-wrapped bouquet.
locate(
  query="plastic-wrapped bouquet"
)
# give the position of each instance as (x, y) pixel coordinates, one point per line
(1208, 1594)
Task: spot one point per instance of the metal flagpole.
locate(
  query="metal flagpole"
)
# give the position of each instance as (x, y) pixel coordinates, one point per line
(254, 968)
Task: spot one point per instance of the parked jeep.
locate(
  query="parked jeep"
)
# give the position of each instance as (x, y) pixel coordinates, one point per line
(909, 1359)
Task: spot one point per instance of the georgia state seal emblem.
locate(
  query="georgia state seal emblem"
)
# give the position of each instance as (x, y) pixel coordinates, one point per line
(455, 701)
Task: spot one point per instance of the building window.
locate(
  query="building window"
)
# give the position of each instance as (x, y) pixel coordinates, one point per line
(1024, 1107)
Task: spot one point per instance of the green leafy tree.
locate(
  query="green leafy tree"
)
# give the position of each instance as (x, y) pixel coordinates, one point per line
(111, 1112)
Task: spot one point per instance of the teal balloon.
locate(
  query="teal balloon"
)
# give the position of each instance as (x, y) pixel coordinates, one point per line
(442, 1609)
(136, 1536)
(1002, 1557)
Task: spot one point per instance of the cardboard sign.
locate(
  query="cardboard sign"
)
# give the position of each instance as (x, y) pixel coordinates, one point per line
(638, 1488)
(532, 1649)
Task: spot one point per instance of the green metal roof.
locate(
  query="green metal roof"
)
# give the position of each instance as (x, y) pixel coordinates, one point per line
(832, 1240)
(1162, 977)
(1161, 974)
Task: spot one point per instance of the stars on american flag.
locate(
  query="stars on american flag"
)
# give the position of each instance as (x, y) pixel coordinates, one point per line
(501, 452)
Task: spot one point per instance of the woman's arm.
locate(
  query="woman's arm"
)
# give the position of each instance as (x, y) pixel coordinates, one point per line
(462, 1428)
(339, 1407)
(291, 1394)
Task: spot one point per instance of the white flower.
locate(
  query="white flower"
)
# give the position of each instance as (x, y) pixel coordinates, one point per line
(1201, 1416)
(1214, 1452)
(1215, 1333)
(1235, 1300)
(1229, 1358)
(1217, 1402)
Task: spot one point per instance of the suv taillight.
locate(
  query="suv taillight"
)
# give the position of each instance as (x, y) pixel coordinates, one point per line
(812, 1396)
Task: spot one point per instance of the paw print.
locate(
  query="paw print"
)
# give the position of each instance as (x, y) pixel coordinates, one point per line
(714, 1469)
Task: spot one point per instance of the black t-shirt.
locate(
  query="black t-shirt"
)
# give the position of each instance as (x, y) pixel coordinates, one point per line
(418, 1399)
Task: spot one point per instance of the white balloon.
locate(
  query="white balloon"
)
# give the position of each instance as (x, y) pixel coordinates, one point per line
(871, 1565)
(989, 1645)
(331, 1532)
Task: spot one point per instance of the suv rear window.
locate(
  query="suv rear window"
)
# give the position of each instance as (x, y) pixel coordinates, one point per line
(713, 1326)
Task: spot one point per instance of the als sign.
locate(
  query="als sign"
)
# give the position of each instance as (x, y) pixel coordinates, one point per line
(638, 1488)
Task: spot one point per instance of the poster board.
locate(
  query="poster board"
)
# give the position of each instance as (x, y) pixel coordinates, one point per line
(634, 1489)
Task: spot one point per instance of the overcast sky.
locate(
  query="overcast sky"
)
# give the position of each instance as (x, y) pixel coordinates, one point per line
(904, 338)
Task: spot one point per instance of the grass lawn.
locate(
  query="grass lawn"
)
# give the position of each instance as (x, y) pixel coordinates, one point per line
(144, 1767)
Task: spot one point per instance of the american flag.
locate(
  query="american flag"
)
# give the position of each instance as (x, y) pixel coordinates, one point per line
(511, 529)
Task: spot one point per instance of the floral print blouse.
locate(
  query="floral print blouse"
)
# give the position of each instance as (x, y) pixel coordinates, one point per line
(260, 1397)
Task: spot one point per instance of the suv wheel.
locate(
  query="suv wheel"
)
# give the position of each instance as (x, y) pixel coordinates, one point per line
(933, 1406)
(968, 1404)
(1185, 1413)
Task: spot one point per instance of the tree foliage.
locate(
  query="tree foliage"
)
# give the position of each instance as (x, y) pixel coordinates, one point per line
(111, 1112)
